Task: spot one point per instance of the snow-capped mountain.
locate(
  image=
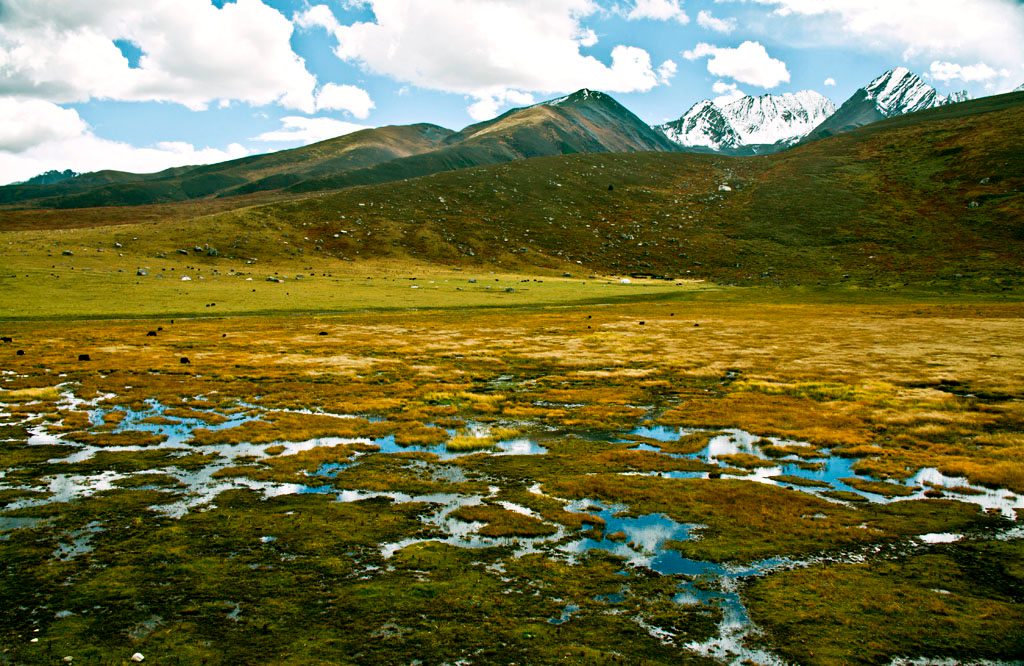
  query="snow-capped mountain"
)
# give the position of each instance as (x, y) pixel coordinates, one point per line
(703, 126)
(1020, 89)
(900, 91)
(768, 120)
(895, 93)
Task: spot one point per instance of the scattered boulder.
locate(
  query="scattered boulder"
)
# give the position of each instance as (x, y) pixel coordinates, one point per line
(151, 334)
(118, 245)
(142, 272)
(84, 357)
(68, 253)
(184, 252)
(138, 657)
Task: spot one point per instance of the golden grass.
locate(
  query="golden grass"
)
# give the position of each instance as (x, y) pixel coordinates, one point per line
(499, 522)
(435, 367)
(27, 394)
(470, 442)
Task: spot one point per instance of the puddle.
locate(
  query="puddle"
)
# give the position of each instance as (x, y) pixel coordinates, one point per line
(78, 542)
(460, 533)
(566, 615)
(10, 523)
(638, 540)
(827, 469)
(642, 541)
(940, 538)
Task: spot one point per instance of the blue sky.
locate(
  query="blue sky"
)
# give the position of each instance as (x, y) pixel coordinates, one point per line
(143, 86)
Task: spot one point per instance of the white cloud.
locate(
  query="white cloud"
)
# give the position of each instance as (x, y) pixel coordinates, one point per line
(989, 31)
(193, 53)
(658, 10)
(747, 63)
(587, 38)
(727, 93)
(484, 109)
(486, 49)
(706, 20)
(487, 107)
(318, 16)
(830, 82)
(28, 123)
(666, 71)
(334, 97)
(949, 71)
(47, 137)
(302, 130)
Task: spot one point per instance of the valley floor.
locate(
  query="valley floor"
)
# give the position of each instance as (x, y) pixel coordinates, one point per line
(555, 469)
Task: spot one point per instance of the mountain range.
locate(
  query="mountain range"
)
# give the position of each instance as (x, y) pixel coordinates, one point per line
(750, 124)
(585, 122)
(769, 123)
(897, 92)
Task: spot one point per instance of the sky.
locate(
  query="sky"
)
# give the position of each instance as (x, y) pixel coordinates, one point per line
(143, 85)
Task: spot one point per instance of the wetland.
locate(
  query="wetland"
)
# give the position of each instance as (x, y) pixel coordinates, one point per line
(731, 481)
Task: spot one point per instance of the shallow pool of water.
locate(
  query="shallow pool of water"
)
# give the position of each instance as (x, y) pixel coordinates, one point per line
(825, 469)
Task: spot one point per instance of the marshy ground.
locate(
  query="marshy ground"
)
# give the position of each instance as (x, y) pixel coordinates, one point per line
(656, 474)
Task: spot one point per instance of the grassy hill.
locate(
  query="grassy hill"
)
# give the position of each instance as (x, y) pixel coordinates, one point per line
(585, 122)
(272, 171)
(930, 200)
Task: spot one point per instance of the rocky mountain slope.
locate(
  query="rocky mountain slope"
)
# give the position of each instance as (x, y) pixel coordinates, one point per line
(932, 198)
(895, 93)
(751, 124)
(584, 122)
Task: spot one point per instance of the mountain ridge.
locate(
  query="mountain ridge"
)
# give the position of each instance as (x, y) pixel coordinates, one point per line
(750, 125)
(896, 92)
(586, 121)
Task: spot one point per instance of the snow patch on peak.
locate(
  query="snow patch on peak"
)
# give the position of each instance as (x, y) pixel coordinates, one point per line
(703, 126)
(1020, 88)
(771, 119)
(900, 91)
(749, 121)
(582, 95)
(955, 98)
